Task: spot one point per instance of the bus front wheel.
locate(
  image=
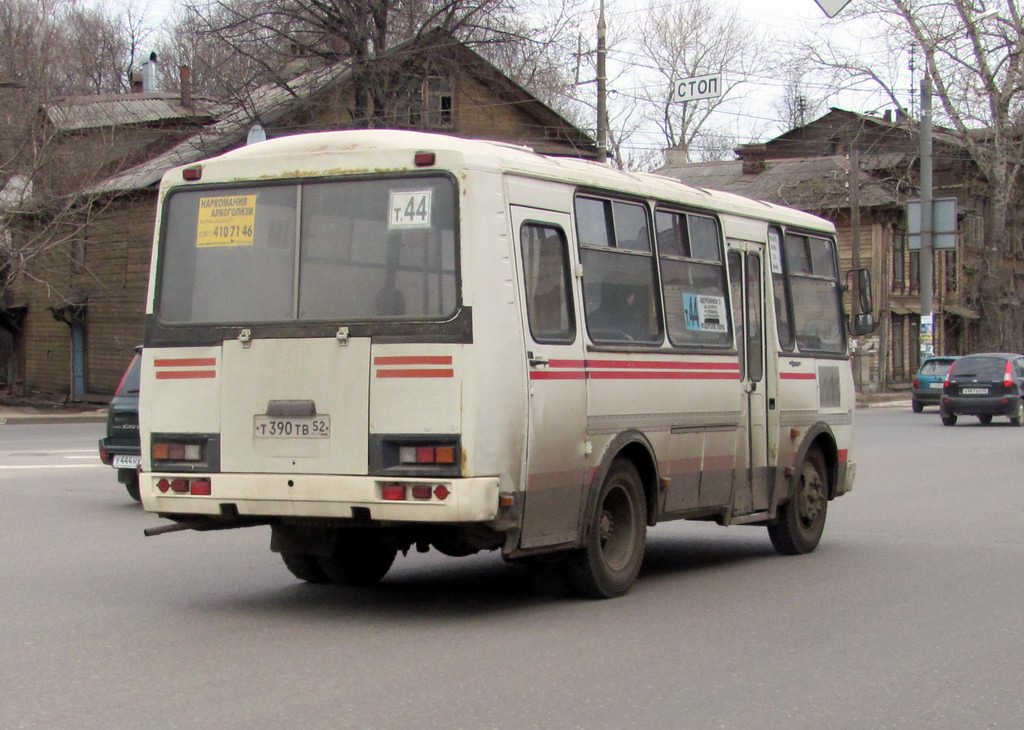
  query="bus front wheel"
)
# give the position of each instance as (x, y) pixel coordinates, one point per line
(802, 519)
(610, 560)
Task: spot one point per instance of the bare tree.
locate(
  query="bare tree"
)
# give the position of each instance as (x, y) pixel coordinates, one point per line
(694, 39)
(797, 106)
(973, 52)
(268, 35)
(50, 49)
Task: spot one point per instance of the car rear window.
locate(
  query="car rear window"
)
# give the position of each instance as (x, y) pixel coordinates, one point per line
(982, 368)
(936, 367)
(130, 381)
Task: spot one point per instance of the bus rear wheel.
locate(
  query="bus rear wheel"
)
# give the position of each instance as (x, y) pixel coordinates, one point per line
(304, 567)
(802, 519)
(610, 560)
(360, 558)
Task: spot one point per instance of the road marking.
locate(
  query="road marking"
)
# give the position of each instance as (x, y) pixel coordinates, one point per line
(54, 466)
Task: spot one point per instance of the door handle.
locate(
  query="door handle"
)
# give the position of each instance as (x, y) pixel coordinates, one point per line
(537, 361)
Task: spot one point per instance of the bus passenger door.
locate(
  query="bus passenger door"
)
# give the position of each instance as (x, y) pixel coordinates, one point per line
(555, 451)
(746, 285)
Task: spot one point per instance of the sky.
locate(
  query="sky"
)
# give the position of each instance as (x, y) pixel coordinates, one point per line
(751, 115)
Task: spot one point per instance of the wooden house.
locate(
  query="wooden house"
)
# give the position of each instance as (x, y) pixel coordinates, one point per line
(77, 322)
(810, 168)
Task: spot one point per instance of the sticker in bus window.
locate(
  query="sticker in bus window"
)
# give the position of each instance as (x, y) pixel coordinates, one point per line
(226, 220)
(409, 209)
(704, 312)
(775, 247)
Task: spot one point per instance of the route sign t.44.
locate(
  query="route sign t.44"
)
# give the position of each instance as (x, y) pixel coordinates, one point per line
(832, 7)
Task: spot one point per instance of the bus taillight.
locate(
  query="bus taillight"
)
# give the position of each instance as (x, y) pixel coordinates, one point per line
(426, 455)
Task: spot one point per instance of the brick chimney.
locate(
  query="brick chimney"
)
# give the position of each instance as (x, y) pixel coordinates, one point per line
(185, 77)
(754, 158)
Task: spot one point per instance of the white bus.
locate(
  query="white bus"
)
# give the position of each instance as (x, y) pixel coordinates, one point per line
(378, 340)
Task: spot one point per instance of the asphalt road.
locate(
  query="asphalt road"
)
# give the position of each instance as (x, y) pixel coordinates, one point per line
(907, 616)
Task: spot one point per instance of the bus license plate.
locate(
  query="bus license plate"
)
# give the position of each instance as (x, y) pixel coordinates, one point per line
(273, 427)
(127, 462)
(974, 391)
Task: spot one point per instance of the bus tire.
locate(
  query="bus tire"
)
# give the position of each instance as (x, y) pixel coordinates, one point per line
(304, 567)
(360, 558)
(609, 562)
(802, 519)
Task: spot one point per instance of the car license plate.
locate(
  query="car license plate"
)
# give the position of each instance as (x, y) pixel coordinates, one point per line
(974, 391)
(937, 386)
(127, 462)
(276, 427)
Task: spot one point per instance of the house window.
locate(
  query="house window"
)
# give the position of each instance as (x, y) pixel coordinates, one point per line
(915, 272)
(898, 271)
(950, 272)
(425, 102)
(898, 372)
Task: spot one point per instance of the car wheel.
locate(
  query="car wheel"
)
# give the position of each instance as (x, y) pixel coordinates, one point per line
(1018, 414)
(802, 519)
(360, 558)
(948, 420)
(610, 560)
(132, 487)
(985, 420)
(916, 406)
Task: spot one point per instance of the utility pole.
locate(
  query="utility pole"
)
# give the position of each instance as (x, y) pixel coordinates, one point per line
(602, 111)
(927, 331)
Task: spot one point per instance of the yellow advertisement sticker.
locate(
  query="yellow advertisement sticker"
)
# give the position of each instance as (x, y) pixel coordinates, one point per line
(228, 220)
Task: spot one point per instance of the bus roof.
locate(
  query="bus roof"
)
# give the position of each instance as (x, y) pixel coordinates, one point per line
(322, 154)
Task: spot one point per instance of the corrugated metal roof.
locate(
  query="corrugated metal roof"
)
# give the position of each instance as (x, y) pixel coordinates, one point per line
(807, 183)
(266, 104)
(114, 110)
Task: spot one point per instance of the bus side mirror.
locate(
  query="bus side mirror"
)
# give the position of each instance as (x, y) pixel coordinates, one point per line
(864, 286)
(862, 324)
(863, 320)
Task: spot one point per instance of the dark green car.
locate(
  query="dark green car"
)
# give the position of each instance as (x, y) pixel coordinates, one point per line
(120, 447)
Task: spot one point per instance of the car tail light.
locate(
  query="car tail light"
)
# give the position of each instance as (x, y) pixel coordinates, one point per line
(105, 456)
(917, 383)
(1008, 375)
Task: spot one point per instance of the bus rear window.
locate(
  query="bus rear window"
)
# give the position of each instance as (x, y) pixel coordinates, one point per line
(337, 250)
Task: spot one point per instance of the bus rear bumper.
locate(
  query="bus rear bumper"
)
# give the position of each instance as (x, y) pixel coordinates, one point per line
(327, 496)
(846, 485)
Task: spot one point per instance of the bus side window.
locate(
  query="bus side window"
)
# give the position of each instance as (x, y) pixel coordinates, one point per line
(546, 279)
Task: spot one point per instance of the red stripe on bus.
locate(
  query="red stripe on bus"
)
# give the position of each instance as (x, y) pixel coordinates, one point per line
(608, 375)
(185, 374)
(557, 375)
(658, 365)
(417, 373)
(797, 376)
(580, 364)
(413, 360)
(185, 362)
